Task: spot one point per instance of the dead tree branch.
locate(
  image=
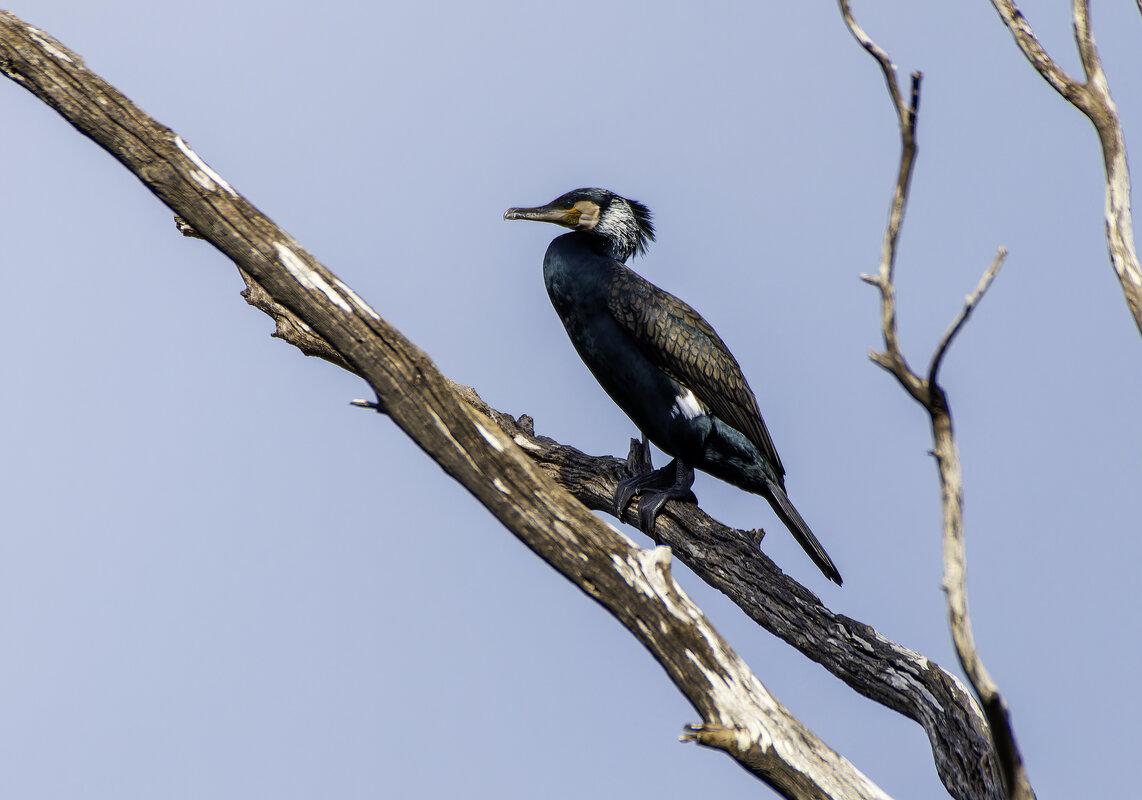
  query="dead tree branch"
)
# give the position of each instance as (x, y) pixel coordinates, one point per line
(928, 393)
(738, 715)
(1092, 98)
(730, 561)
(517, 475)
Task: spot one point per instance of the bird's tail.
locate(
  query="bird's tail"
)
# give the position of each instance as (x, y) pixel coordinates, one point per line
(800, 530)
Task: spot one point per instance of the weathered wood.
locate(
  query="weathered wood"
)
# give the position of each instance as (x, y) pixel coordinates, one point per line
(730, 561)
(1011, 777)
(1093, 99)
(739, 716)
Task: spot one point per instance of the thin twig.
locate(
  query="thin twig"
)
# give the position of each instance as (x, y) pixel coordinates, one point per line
(886, 65)
(892, 357)
(969, 306)
(1020, 29)
(1084, 39)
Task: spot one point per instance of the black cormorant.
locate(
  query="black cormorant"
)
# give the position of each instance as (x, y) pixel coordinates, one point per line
(660, 361)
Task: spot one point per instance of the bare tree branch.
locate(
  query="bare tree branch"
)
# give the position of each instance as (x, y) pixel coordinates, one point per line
(965, 312)
(892, 358)
(738, 714)
(955, 563)
(729, 560)
(1093, 99)
(319, 314)
(929, 393)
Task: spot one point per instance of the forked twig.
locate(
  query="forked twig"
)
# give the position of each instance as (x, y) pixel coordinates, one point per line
(1093, 99)
(928, 392)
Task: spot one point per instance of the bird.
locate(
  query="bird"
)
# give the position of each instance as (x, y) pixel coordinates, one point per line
(660, 361)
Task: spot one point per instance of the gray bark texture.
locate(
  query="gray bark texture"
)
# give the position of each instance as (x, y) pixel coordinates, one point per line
(539, 489)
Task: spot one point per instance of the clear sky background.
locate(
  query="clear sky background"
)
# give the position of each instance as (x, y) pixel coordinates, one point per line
(218, 579)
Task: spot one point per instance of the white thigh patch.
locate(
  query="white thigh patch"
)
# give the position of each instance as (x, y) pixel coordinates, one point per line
(687, 405)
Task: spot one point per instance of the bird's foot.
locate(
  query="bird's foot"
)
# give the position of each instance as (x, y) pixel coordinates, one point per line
(652, 502)
(658, 487)
(655, 479)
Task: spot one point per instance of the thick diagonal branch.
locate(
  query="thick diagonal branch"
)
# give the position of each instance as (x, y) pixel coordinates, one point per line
(730, 561)
(886, 672)
(739, 716)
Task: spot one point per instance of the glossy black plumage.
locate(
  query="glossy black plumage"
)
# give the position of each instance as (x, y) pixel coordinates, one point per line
(659, 360)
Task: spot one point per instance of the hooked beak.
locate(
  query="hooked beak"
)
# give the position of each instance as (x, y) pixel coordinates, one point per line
(567, 217)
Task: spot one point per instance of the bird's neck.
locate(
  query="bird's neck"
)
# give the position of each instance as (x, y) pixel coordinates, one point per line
(577, 269)
(618, 248)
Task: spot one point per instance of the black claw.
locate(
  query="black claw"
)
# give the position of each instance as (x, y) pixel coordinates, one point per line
(623, 493)
(655, 479)
(648, 508)
(652, 503)
(671, 482)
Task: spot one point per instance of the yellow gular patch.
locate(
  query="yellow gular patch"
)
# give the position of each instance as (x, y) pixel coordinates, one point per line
(588, 214)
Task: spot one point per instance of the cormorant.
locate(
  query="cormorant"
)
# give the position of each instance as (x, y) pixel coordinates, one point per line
(660, 361)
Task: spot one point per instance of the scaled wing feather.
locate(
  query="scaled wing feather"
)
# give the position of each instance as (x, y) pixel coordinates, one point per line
(682, 344)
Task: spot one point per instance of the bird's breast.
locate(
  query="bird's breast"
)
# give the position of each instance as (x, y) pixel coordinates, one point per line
(579, 283)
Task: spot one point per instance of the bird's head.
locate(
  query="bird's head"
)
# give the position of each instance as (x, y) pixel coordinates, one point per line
(624, 224)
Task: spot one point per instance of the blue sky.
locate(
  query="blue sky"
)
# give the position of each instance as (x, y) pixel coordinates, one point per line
(217, 579)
